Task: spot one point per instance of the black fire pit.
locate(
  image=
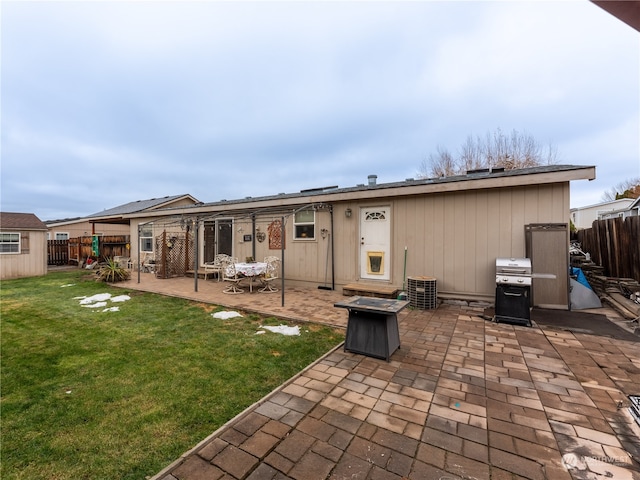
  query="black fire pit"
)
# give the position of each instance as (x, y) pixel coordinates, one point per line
(372, 328)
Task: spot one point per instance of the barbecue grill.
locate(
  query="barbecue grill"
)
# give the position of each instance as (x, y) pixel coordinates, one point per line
(513, 291)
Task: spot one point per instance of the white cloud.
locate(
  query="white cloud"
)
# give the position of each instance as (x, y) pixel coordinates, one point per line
(163, 98)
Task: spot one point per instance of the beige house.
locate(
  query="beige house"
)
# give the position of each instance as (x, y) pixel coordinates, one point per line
(452, 229)
(23, 245)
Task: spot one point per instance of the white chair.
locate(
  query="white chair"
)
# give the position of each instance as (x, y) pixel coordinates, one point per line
(271, 274)
(122, 262)
(147, 262)
(231, 276)
(209, 268)
(219, 264)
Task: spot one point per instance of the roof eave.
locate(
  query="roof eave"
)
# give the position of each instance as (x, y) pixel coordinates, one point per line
(416, 187)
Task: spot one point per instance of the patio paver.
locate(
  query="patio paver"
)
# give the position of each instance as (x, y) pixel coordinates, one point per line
(462, 398)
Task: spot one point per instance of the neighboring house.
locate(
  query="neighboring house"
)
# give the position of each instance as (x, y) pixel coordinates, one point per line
(583, 217)
(628, 211)
(23, 245)
(111, 221)
(452, 229)
(634, 209)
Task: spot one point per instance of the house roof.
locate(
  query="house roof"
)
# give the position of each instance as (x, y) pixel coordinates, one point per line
(480, 179)
(139, 206)
(21, 221)
(115, 214)
(450, 183)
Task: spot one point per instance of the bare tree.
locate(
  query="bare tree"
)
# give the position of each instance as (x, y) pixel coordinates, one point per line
(627, 189)
(471, 155)
(517, 150)
(440, 164)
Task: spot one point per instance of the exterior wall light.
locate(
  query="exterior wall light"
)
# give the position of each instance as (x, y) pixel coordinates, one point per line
(347, 213)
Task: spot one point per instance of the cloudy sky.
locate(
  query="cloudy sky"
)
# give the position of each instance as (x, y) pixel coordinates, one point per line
(104, 103)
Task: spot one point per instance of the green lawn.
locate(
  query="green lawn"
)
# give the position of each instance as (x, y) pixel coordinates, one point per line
(89, 394)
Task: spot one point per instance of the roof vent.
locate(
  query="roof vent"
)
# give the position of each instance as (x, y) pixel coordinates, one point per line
(478, 170)
(372, 180)
(319, 189)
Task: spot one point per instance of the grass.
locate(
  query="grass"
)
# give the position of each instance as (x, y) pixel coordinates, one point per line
(87, 394)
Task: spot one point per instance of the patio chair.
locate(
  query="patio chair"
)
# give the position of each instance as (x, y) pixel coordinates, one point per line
(210, 268)
(219, 264)
(122, 262)
(271, 274)
(231, 276)
(149, 266)
(147, 262)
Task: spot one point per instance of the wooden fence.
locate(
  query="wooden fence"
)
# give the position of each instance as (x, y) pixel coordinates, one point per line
(57, 252)
(614, 244)
(109, 246)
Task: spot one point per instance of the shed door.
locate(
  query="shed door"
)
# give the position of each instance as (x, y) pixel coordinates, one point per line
(375, 235)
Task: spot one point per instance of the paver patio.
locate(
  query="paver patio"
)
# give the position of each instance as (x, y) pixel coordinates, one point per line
(463, 398)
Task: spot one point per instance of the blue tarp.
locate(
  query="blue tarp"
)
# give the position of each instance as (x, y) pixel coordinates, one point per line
(580, 278)
(582, 295)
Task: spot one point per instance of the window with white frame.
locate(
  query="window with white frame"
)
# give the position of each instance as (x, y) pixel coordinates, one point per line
(146, 238)
(304, 223)
(9, 242)
(62, 236)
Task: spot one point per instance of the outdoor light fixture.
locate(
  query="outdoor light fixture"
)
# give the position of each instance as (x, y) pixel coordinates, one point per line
(347, 213)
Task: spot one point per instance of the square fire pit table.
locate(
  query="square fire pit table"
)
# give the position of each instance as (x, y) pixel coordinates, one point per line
(372, 328)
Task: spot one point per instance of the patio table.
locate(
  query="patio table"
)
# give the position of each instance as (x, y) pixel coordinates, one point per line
(251, 271)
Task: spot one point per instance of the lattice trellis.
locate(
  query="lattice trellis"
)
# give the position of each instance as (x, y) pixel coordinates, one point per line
(174, 254)
(276, 241)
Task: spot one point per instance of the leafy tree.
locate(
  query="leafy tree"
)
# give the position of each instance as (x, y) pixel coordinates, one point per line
(627, 189)
(517, 150)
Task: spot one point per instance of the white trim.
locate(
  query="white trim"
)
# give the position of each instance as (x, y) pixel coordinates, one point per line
(18, 243)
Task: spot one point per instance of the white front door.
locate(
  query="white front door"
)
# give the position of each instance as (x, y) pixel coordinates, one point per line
(375, 237)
